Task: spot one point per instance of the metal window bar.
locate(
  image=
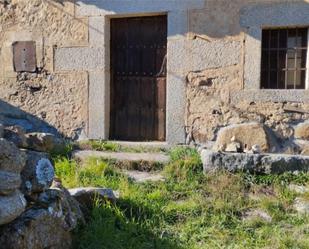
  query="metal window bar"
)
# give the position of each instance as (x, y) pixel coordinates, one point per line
(269, 72)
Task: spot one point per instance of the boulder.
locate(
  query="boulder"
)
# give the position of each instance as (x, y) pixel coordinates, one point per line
(1, 130)
(37, 228)
(38, 173)
(230, 161)
(255, 163)
(11, 159)
(305, 151)
(248, 135)
(45, 142)
(9, 182)
(256, 214)
(56, 197)
(301, 131)
(16, 135)
(11, 207)
(299, 189)
(87, 196)
(301, 206)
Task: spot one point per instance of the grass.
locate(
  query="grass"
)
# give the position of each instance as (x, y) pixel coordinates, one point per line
(189, 210)
(102, 145)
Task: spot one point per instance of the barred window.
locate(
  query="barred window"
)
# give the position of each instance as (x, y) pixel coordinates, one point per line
(284, 58)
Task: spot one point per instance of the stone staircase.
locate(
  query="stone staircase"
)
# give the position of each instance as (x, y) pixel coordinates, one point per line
(140, 166)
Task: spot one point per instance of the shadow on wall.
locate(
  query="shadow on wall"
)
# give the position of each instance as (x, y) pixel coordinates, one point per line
(11, 115)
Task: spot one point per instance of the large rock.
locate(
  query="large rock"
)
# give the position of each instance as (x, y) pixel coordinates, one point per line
(11, 207)
(257, 163)
(1, 130)
(16, 135)
(45, 142)
(58, 196)
(248, 135)
(36, 229)
(301, 205)
(38, 174)
(9, 182)
(302, 131)
(256, 214)
(11, 159)
(87, 196)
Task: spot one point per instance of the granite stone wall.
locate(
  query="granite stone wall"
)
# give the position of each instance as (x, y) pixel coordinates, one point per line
(213, 69)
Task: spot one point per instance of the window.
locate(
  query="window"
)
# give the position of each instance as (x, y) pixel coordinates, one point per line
(284, 58)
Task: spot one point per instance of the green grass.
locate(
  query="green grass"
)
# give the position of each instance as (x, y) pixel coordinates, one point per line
(189, 210)
(102, 145)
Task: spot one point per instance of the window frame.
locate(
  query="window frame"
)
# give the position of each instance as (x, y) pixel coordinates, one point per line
(307, 65)
(267, 70)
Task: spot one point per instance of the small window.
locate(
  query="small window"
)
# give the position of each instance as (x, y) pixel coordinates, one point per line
(284, 58)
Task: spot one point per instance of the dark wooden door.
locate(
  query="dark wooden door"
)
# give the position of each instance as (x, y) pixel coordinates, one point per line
(138, 78)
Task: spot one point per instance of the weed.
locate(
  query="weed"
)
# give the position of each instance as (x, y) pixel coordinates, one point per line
(189, 210)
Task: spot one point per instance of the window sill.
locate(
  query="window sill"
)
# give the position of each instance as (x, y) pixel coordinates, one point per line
(270, 95)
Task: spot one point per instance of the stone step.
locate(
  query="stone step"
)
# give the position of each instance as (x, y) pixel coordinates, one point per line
(124, 146)
(140, 177)
(155, 144)
(136, 161)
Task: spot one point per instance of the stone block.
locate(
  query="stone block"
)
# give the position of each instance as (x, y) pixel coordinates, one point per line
(178, 56)
(97, 31)
(79, 58)
(247, 134)
(45, 142)
(11, 207)
(221, 53)
(176, 94)
(302, 131)
(267, 95)
(254, 163)
(38, 174)
(99, 103)
(11, 159)
(9, 182)
(37, 228)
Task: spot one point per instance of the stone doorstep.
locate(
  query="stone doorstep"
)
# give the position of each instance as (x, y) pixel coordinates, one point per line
(122, 156)
(258, 163)
(152, 144)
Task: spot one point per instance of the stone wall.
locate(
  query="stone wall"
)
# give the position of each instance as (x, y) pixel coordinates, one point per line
(31, 200)
(213, 57)
(59, 100)
(220, 94)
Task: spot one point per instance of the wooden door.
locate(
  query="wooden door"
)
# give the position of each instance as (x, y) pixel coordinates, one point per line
(138, 78)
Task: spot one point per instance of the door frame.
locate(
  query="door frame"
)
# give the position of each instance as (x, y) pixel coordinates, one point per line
(156, 126)
(99, 81)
